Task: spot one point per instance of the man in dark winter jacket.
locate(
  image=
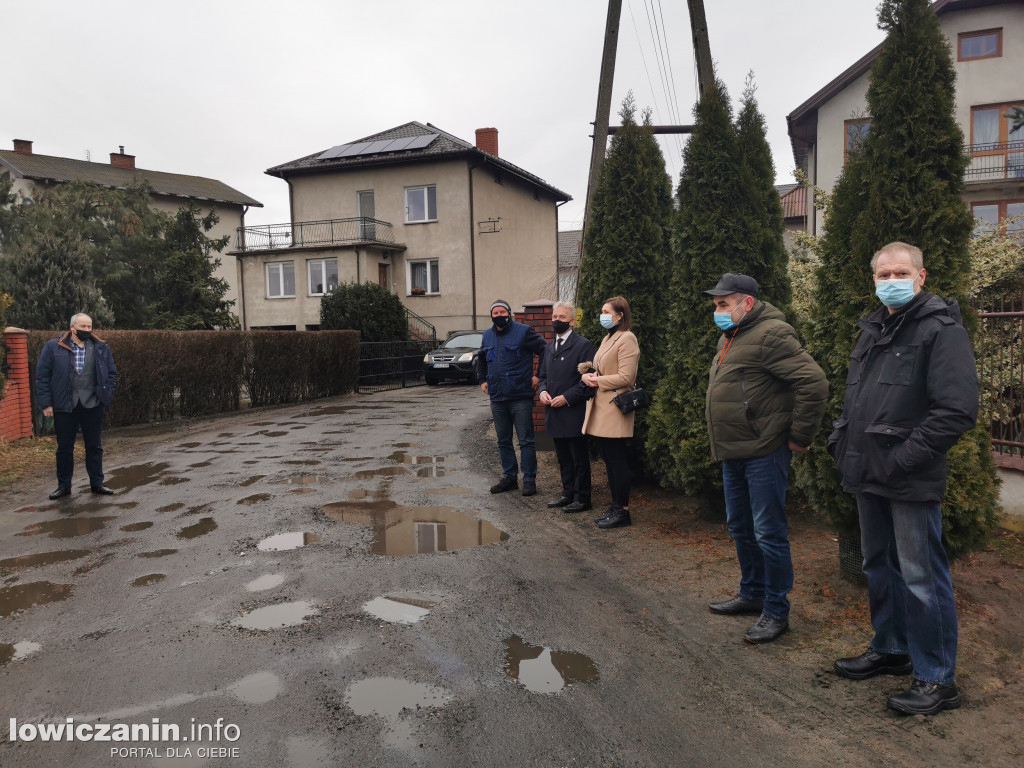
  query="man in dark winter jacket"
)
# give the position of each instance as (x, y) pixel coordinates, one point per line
(75, 380)
(911, 392)
(766, 398)
(565, 395)
(504, 370)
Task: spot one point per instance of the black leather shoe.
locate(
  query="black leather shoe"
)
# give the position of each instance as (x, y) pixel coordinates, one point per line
(60, 493)
(611, 511)
(766, 629)
(871, 663)
(102, 490)
(925, 699)
(561, 501)
(738, 605)
(578, 506)
(529, 488)
(507, 483)
(618, 520)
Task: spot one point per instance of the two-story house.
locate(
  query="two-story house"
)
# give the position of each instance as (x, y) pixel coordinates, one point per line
(987, 39)
(446, 225)
(170, 193)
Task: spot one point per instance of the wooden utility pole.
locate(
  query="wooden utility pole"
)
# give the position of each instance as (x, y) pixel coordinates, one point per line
(604, 108)
(701, 46)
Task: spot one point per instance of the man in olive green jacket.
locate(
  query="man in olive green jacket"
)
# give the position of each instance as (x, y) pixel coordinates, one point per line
(766, 398)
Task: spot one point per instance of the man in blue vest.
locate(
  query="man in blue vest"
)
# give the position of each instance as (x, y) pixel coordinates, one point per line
(75, 380)
(504, 370)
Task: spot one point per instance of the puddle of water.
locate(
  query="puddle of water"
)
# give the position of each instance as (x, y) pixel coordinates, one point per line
(399, 531)
(265, 582)
(189, 445)
(258, 688)
(388, 696)
(302, 490)
(251, 461)
(304, 479)
(398, 610)
(284, 541)
(275, 433)
(541, 670)
(448, 491)
(201, 464)
(358, 458)
(26, 509)
(195, 510)
(158, 553)
(19, 597)
(256, 498)
(67, 528)
(17, 651)
(170, 507)
(305, 462)
(407, 445)
(225, 434)
(152, 578)
(250, 480)
(203, 527)
(42, 558)
(277, 616)
(136, 527)
(135, 475)
(174, 480)
(382, 472)
(404, 457)
(92, 566)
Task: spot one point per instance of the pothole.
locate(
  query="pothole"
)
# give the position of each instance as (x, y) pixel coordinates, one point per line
(136, 475)
(136, 527)
(17, 651)
(201, 528)
(285, 541)
(542, 670)
(42, 558)
(67, 528)
(21, 597)
(387, 697)
(150, 578)
(399, 609)
(157, 553)
(257, 688)
(278, 616)
(256, 498)
(265, 582)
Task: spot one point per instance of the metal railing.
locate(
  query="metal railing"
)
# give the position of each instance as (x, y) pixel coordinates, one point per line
(359, 229)
(419, 328)
(991, 162)
(385, 365)
(1000, 348)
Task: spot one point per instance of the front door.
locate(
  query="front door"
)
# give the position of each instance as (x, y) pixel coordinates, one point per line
(382, 277)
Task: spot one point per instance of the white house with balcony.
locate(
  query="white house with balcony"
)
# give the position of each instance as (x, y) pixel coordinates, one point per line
(987, 40)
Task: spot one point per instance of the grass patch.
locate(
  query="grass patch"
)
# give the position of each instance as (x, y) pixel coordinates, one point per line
(28, 456)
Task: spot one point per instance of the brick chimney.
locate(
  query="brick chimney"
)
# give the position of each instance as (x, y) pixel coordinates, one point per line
(487, 140)
(121, 160)
(23, 147)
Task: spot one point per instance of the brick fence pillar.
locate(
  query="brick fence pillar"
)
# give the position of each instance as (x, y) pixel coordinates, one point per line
(537, 315)
(16, 402)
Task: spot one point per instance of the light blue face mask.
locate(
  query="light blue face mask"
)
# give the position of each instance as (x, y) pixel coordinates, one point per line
(724, 321)
(895, 293)
(608, 322)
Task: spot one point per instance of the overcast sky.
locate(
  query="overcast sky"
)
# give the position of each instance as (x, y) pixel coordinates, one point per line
(229, 88)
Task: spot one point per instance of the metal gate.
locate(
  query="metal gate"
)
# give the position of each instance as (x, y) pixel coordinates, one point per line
(385, 365)
(1001, 372)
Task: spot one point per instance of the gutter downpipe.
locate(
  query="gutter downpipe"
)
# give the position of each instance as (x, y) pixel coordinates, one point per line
(471, 166)
(558, 267)
(241, 271)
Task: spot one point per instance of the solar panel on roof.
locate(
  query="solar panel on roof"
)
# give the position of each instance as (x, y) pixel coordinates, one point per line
(422, 141)
(402, 143)
(354, 149)
(373, 147)
(332, 152)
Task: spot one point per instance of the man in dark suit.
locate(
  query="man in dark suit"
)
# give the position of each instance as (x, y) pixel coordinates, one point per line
(565, 398)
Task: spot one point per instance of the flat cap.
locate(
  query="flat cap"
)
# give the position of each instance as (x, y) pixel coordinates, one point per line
(733, 282)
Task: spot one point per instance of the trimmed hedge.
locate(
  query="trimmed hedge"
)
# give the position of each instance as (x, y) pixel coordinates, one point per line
(169, 374)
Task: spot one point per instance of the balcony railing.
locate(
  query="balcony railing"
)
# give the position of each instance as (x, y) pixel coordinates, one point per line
(992, 162)
(360, 229)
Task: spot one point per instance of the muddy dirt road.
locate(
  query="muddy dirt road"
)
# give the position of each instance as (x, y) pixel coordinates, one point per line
(332, 585)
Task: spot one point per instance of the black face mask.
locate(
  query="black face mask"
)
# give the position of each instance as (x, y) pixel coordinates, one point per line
(83, 335)
(501, 322)
(559, 326)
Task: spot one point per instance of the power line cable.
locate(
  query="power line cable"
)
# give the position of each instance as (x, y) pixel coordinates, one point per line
(650, 84)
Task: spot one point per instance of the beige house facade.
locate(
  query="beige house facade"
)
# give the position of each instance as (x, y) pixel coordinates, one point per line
(445, 225)
(987, 40)
(171, 192)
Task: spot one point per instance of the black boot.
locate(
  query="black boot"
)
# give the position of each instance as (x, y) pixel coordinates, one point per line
(612, 510)
(619, 519)
(507, 483)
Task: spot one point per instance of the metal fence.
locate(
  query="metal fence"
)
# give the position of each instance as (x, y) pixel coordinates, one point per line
(359, 229)
(996, 161)
(1000, 345)
(385, 365)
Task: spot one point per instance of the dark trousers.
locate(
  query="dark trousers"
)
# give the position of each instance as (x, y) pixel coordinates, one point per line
(66, 426)
(574, 464)
(616, 460)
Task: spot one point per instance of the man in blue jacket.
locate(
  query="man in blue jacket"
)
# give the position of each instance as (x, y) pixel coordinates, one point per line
(75, 380)
(504, 370)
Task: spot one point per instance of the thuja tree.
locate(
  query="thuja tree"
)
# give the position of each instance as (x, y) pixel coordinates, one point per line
(625, 249)
(191, 297)
(365, 307)
(768, 260)
(905, 183)
(712, 235)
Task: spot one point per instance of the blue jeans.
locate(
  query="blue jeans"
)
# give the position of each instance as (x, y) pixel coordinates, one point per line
(910, 590)
(755, 507)
(517, 413)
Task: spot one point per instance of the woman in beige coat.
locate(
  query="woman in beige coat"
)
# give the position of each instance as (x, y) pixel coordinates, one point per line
(614, 372)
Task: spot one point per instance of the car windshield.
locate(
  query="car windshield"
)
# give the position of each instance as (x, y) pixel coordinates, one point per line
(471, 340)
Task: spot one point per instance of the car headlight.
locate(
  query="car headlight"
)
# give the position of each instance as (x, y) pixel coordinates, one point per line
(426, 358)
(466, 357)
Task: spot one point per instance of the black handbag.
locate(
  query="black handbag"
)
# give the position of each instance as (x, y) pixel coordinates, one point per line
(634, 400)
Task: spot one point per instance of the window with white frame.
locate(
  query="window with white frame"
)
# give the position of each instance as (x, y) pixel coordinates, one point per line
(424, 277)
(420, 204)
(281, 280)
(323, 276)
